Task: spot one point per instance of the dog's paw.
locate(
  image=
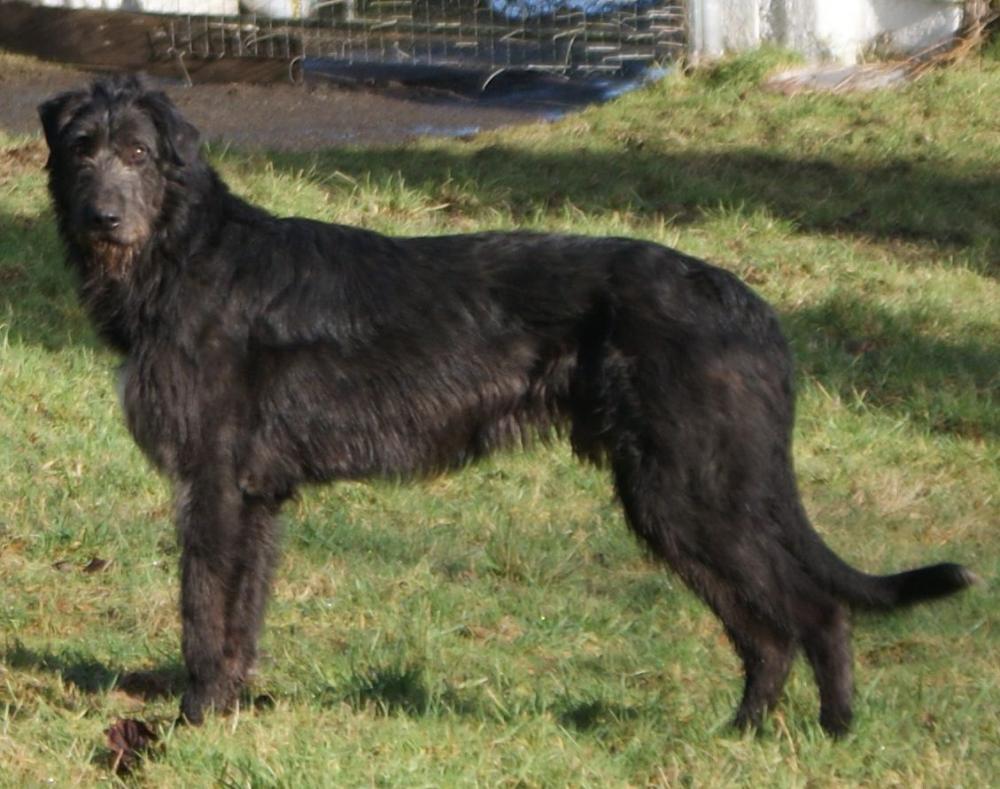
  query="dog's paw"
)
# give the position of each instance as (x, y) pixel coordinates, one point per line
(192, 709)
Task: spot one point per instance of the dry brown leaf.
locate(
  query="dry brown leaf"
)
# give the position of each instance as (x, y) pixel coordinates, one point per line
(128, 739)
(96, 565)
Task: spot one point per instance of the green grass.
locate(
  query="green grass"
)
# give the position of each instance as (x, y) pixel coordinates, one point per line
(500, 626)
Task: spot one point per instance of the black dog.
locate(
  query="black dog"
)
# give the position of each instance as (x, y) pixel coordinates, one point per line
(263, 353)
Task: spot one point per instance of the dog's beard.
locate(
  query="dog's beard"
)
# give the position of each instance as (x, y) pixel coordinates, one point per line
(111, 260)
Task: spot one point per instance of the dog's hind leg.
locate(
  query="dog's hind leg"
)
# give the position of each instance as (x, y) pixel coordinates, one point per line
(767, 655)
(824, 629)
(765, 647)
(766, 602)
(766, 643)
(766, 616)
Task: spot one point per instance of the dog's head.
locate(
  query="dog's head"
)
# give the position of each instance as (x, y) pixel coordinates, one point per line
(114, 149)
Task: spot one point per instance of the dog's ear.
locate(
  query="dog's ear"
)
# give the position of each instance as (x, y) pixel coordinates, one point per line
(179, 138)
(56, 113)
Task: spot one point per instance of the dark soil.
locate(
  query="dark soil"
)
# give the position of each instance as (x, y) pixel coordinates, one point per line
(282, 115)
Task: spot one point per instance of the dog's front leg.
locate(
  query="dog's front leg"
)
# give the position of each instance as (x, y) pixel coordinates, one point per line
(257, 555)
(209, 524)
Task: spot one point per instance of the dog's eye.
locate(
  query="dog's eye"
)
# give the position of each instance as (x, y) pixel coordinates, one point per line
(136, 154)
(80, 146)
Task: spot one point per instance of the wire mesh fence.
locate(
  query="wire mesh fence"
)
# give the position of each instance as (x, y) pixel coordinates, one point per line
(551, 35)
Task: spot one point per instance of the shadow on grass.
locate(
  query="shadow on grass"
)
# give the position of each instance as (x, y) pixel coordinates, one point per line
(402, 689)
(92, 676)
(586, 716)
(386, 690)
(391, 689)
(858, 350)
(895, 200)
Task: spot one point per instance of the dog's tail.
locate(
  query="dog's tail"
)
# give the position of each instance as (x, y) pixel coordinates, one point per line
(862, 590)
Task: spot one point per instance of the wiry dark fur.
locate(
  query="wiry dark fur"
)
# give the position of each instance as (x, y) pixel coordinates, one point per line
(263, 353)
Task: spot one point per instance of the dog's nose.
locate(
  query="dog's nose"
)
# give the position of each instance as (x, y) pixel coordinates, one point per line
(101, 219)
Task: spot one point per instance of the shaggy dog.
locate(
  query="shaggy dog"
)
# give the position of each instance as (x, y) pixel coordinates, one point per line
(262, 353)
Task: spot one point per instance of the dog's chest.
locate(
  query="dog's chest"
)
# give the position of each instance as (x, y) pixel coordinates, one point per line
(155, 390)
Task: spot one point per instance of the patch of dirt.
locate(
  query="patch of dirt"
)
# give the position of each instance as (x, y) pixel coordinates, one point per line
(280, 115)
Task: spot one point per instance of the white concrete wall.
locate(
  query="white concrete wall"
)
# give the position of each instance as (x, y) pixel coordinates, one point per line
(839, 30)
(719, 26)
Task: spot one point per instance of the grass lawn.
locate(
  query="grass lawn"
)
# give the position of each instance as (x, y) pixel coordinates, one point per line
(500, 626)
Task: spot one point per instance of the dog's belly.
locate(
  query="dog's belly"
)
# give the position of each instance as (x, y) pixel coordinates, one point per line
(415, 417)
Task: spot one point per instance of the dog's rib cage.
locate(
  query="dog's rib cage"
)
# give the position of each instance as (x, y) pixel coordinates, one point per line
(559, 36)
